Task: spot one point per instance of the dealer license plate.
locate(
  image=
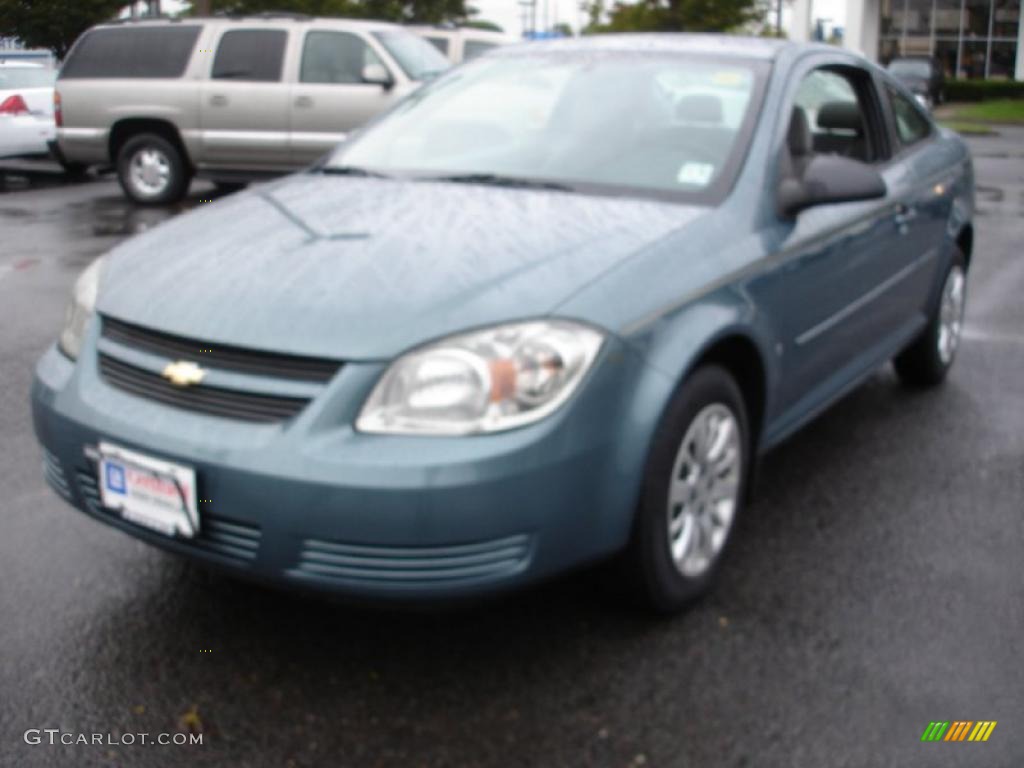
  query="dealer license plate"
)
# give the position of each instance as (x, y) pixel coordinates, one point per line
(149, 492)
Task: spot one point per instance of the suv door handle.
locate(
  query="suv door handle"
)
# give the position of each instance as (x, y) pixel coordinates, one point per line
(304, 101)
(218, 100)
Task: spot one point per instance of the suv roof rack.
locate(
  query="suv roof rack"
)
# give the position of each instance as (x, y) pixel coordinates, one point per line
(140, 19)
(265, 15)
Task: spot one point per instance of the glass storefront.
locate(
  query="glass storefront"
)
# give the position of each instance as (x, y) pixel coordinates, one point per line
(971, 38)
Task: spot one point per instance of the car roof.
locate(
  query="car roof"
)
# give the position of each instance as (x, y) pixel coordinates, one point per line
(673, 42)
(296, 20)
(22, 64)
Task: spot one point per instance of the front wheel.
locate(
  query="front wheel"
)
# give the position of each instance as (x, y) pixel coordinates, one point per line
(152, 171)
(928, 359)
(693, 490)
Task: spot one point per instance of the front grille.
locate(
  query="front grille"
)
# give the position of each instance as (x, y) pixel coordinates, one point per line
(222, 356)
(227, 403)
(232, 539)
(413, 565)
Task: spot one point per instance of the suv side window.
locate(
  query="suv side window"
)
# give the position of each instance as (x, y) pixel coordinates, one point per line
(253, 55)
(840, 114)
(441, 43)
(335, 57)
(132, 52)
(911, 125)
(473, 48)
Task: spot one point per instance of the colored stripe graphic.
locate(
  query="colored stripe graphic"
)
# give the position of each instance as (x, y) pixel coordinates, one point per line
(982, 730)
(958, 730)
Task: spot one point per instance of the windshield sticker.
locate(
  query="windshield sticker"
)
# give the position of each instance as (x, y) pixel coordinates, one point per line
(698, 174)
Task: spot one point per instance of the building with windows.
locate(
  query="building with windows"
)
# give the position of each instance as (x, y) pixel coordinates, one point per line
(971, 38)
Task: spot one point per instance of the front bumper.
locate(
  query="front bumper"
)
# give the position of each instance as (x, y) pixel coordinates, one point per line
(312, 502)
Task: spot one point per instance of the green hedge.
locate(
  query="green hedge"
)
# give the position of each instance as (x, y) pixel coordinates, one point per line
(984, 90)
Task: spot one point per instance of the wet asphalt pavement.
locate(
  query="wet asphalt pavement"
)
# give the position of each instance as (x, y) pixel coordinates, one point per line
(877, 583)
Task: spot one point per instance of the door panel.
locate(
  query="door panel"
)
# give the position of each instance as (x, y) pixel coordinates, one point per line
(836, 285)
(244, 103)
(824, 290)
(330, 99)
(919, 182)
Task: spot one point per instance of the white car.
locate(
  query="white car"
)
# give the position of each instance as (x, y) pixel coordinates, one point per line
(462, 43)
(26, 108)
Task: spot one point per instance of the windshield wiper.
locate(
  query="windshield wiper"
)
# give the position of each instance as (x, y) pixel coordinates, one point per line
(351, 170)
(497, 180)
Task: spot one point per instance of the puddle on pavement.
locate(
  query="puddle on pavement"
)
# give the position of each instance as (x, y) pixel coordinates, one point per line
(114, 216)
(988, 194)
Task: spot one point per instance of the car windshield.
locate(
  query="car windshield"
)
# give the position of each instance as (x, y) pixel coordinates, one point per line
(909, 67)
(418, 59)
(26, 77)
(673, 125)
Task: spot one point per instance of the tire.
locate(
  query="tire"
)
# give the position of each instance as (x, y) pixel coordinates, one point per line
(929, 357)
(665, 562)
(74, 171)
(152, 170)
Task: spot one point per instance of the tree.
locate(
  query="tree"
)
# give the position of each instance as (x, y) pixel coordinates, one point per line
(53, 24)
(676, 15)
(490, 26)
(417, 11)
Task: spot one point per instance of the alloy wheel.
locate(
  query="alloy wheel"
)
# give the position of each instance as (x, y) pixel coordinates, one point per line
(704, 489)
(951, 314)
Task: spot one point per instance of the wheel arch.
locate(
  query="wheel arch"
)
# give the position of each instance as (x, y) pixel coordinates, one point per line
(965, 242)
(736, 351)
(126, 128)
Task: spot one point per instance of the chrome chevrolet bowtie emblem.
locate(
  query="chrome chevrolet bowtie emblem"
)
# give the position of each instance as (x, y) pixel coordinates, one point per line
(183, 373)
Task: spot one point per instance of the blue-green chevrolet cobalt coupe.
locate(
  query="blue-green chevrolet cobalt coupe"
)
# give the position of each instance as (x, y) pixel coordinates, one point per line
(549, 309)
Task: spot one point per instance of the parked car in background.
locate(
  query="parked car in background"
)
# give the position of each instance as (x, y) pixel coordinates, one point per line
(462, 43)
(922, 76)
(549, 310)
(231, 99)
(26, 108)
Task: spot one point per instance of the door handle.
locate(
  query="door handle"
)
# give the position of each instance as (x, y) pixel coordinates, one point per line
(904, 215)
(218, 100)
(304, 101)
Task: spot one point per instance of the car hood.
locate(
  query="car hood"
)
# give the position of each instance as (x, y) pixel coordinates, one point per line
(362, 268)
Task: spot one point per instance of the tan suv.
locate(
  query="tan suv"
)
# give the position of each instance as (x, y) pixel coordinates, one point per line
(231, 99)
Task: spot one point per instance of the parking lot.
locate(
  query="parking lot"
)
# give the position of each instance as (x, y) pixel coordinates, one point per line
(876, 585)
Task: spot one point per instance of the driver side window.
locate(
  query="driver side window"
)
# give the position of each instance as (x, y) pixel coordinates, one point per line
(837, 115)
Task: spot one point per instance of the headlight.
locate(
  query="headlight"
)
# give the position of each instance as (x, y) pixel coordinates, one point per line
(80, 309)
(485, 381)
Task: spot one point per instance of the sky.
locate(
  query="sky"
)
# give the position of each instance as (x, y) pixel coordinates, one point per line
(507, 13)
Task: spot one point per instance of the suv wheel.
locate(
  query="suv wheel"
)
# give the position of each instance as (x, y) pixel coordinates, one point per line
(152, 170)
(693, 491)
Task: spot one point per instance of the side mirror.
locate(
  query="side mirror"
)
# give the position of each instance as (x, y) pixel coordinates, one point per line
(829, 179)
(377, 74)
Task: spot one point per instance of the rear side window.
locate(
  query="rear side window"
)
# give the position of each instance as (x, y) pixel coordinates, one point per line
(250, 54)
(441, 43)
(473, 48)
(132, 52)
(911, 125)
